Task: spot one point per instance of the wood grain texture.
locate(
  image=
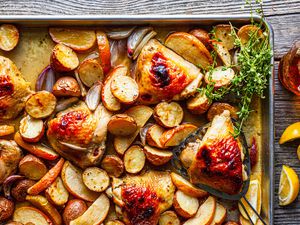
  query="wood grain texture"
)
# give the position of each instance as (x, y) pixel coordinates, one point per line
(284, 15)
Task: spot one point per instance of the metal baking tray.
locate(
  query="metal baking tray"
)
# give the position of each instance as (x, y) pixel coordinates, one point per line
(267, 105)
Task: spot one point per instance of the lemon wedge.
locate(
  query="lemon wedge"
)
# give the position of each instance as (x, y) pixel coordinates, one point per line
(288, 186)
(298, 152)
(291, 133)
(254, 197)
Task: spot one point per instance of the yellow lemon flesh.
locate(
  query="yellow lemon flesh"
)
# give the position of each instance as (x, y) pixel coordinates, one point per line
(288, 186)
(254, 197)
(291, 133)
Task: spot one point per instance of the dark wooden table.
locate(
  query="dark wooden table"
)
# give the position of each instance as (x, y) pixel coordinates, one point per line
(284, 15)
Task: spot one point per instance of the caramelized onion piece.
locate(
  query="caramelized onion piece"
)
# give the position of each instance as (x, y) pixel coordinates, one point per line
(82, 88)
(135, 38)
(118, 52)
(119, 33)
(7, 184)
(65, 103)
(143, 132)
(143, 43)
(93, 96)
(45, 80)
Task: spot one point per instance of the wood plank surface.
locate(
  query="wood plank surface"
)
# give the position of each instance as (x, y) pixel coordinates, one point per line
(284, 15)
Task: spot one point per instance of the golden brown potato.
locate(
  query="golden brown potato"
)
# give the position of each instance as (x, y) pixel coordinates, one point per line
(222, 52)
(190, 48)
(223, 33)
(187, 155)
(74, 209)
(104, 51)
(168, 115)
(218, 107)
(220, 77)
(113, 165)
(190, 90)
(156, 156)
(31, 130)
(63, 59)
(19, 191)
(185, 205)
(16, 223)
(198, 104)
(125, 89)
(246, 31)
(57, 193)
(95, 179)
(114, 222)
(202, 36)
(169, 218)
(220, 215)
(6, 130)
(31, 215)
(6, 209)
(90, 71)
(121, 125)
(9, 37)
(41, 104)
(134, 159)
(78, 39)
(32, 167)
(66, 86)
(154, 134)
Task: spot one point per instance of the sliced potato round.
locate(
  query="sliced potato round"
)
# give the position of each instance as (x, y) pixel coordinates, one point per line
(223, 33)
(134, 159)
(57, 193)
(220, 215)
(30, 215)
(198, 104)
(190, 89)
(156, 156)
(113, 165)
(218, 107)
(246, 31)
(222, 52)
(190, 48)
(188, 154)
(90, 71)
(95, 179)
(63, 59)
(121, 125)
(41, 104)
(185, 205)
(153, 135)
(220, 76)
(78, 39)
(125, 89)
(9, 37)
(169, 218)
(31, 130)
(202, 36)
(32, 167)
(168, 115)
(176, 135)
(66, 86)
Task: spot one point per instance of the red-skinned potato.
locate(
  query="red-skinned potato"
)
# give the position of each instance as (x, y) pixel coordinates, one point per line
(121, 125)
(31, 130)
(202, 36)
(90, 71)
(168, 114)
(156, 156)
(9, 37)
(153, 136)
(57, 193)
(19, 190)
(246, 31)
(219, 76)
(66, 86)
(218, 107)
(31, 215)
(185, 205)
(198, 104)
(32, 167)
(6, 209)
(63, 59)
(113, 165)
(74, 209)
(104, 51)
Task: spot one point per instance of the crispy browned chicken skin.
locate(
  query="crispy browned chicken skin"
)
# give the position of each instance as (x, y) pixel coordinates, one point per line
(219, 159)
(14, 90)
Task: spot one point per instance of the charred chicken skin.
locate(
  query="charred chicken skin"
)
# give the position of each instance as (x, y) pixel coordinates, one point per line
(79, 135)
(219, 159)
(14, 90)
(162, 74)
(143, 198)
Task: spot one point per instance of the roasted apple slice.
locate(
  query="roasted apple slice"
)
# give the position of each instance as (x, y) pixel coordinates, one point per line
(185, 205)
(218, 107)
(31, 130)
(45, 206)
(190, 48)
(9, 37)
(63, 59)
(125, 89)
(66, 86)
(223, 33)
(156, 156)
(95, 179)
(153, 135)
(168, 115)
(57, 193)
(113, 165)
(41, 104)
(134, 159)
(198, 104)
(219, 77)
(32, 167)
(78, 39)
(90, 71)
(95, 214)
(169, 218)
(186, 187)
(121, 125)
(104, 51)
(176, 135)
(30, 215)
(72, 179)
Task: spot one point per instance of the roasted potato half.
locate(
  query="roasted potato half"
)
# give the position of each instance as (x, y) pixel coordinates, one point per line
(9, 37)
(198, 104)
(63, 59)
(90, 71)
(222, 52)
(113, 165)
(104, 51)
(153, 135)
(156, 156)
(168, 115)
(57, 193)
(185, 205)
(6, 130)
(202, 36)
(6, 208)
(32, 167)
(219, 76)
(78, 39)
(134, 159)
(223, 33)
(31, 130)
(246, 31)
(169, 218)
(121, 125)
(95, 179)
(30, 215)
(66, 86)
(190, 48)
(218, 107)
(73, 209)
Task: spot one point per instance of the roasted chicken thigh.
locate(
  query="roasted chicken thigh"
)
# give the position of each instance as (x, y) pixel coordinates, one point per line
(162, 74)
(14, 90)
(79, 135)
(144, 197)
(219, 159)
